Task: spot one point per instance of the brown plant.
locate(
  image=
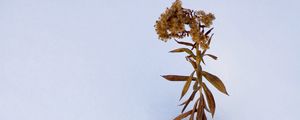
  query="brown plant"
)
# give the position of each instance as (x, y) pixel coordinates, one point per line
(172, 24)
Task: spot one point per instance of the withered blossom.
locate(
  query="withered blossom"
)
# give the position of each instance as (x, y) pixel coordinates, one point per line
(172, 22)
(205, 18)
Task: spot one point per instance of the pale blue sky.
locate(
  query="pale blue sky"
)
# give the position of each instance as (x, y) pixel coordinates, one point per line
(101, 60)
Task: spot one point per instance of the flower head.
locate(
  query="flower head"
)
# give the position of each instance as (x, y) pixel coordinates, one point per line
(205, 18)
(172, 22)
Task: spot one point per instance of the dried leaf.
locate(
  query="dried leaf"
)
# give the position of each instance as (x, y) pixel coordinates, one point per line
(200, 107)
(215, 81)
(186, 103)
(194, 109)
(195, 87)
(183, 115)
(187, 85)
(194, 46)
(199, 57)
(203, 61)
(206, 108)
(192, 62)
(212, 56)
(190, 57)
(209, 40)
(202, 26)
(183, 103)
(199, 74)
(204, 116)
(208, 31)
(177, 77)
(208, 43)
(184, 43)
(210, 99)
(188, 51)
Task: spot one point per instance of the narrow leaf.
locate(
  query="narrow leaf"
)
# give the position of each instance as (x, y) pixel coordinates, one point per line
(209, 40)
(194, 109)
(185, 102)
(195, 87)
(188, 101)
(188, 51)
(194, 46)
(206, 108)
(187, 85)
(199, 74)
(183, 115)
(192, 62)
(210, 99)
(177, 77)
(208, 31)
(184, 43)
(202, 26)
(212, 56)
(203, 61)
(215, 81)
(200, 107)
(190, 57)
(198, 56)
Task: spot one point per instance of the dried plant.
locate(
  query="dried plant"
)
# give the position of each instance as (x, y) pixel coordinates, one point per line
(177, 23)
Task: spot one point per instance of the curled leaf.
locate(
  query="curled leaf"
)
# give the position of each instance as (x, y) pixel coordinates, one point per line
(215, 81)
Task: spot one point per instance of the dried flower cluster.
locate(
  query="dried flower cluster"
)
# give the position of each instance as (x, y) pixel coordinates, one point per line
(173, 21)
(177, 23)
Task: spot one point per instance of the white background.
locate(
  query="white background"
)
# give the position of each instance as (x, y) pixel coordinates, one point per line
(101, 60)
